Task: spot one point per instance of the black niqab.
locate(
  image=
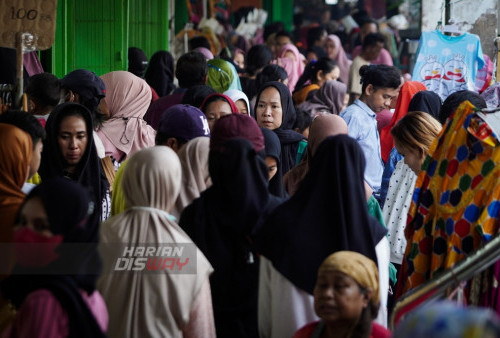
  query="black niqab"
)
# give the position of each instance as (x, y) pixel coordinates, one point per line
(221, 222)
(328, 213)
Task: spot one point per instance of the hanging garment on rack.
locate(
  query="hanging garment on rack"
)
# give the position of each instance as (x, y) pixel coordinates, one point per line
(456, 203)
(446, 64)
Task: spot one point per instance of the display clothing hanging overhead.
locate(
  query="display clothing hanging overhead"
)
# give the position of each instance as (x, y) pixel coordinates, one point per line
(446, 64)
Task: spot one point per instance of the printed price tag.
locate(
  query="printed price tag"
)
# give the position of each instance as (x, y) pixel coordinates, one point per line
(36, 17)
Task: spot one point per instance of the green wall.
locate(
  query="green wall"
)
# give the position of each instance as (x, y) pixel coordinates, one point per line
(96, 34)
(279, 10)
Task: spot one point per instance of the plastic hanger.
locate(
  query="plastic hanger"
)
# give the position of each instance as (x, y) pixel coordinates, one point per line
(451, 29)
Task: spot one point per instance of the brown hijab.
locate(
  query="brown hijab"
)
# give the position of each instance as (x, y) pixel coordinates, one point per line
(15, 154)
(321, 127)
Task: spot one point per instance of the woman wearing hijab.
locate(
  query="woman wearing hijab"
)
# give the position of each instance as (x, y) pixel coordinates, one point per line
(426, 101)
(240, 100)
(274, 110)
(15, 151)
(323, 216)
(216, 106)
(222, 220)
(293, 63)
(406, 93)
(273, 154)
(125, 132)
(322, 127)
(346, 298)
(51, 285)
(195, 175)
(160, 73)
(335, 51)
(329, 99)
(222, 75)
(69, 151)
(159, 304)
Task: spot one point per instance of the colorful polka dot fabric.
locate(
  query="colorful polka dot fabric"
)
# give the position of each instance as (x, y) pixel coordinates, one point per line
(456, 203)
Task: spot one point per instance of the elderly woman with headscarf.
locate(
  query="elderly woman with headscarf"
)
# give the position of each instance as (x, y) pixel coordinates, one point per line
(324, 216)
(329, 99)
(160, 73)
(222, 221)
(346, 299)
(125, 132)
(159, 304)
(52, 285)
(274, 110)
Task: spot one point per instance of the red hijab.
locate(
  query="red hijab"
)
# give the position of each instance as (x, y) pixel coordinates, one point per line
(234, 110)
(406, 93)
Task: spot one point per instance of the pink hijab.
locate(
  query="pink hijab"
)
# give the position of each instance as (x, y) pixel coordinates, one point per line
(340, 58)
(128, 98)
(294, 68)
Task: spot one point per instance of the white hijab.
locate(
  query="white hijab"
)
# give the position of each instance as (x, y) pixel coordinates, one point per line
(145, 304)
(235, 95)
(195, 176)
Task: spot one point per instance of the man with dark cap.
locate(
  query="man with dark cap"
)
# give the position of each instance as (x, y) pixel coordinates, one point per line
(179, 124)
(85, 87)
(137, 61)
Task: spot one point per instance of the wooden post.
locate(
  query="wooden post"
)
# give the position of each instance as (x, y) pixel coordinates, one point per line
(20, 74)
